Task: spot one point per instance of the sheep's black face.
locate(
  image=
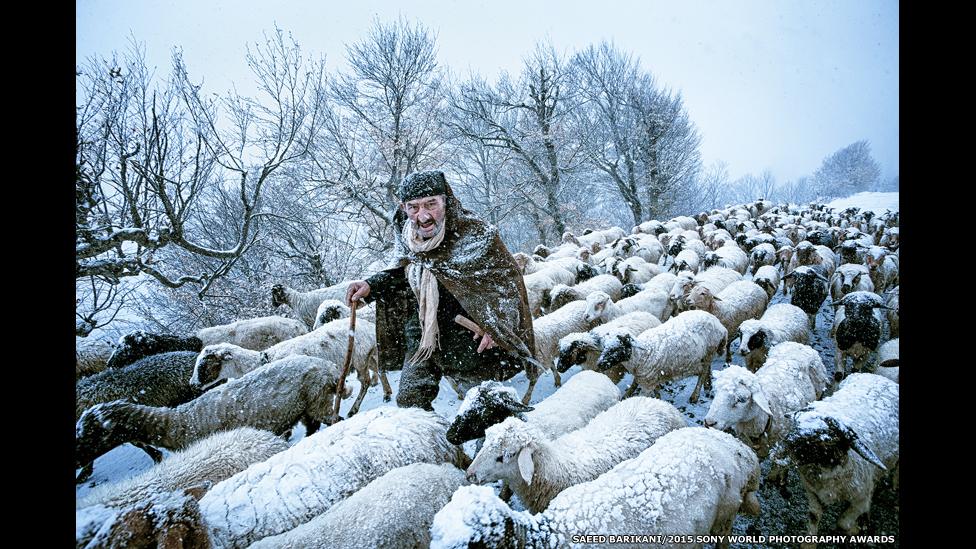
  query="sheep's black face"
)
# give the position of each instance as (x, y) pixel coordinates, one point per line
(100, 429)
(278, 296)
(585, 272)
(629, 290)
(208, 368)
(572, 355)
(711, 259)
(615, 352)
(757, 341)
(825, 447)
(330, 314)
(541, 251)
(489, 408)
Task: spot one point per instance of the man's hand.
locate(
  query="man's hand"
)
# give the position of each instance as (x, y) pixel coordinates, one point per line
(486, 342)
(356, 290)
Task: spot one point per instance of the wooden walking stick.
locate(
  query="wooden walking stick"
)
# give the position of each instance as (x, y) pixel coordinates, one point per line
(341, 384)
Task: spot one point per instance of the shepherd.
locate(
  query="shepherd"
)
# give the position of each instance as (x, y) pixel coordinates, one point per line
(447, 263)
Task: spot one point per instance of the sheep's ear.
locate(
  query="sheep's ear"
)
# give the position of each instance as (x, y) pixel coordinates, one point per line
(863, 450)
(761, 401)
(716, 298)
(525, 464)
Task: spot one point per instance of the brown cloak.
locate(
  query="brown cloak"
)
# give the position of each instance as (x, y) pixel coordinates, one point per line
(474, 265)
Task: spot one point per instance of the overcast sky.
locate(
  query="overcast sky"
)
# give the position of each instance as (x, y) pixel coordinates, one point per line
(774, 84)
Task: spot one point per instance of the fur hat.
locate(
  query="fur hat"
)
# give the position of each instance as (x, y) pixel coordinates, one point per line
(420, 184)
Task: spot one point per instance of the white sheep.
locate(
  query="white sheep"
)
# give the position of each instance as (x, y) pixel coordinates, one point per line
(601, 308)
(395, 510)
(570, 407)
(758, 406)
(211, 459)
(883, 267)
(767, 277)
(306, 480)
(762, 254)
(274, 398)
(738, 302)
(850, 277)
(692, 481)
(634, 270)
(333, 309)
(562, 294)
(681, 347)
(540, 283)
(538, 469)
(686, 260)
(549, 329)
(809, 254)
(305, 304)
(888, 360)
(713, 278)
(781, 322)
(330, 341)
(605, 236)
(584, 348)
(842, 445)
(256, 334)
(729, 255)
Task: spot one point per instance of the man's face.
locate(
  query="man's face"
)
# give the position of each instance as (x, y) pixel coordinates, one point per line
(427, 213)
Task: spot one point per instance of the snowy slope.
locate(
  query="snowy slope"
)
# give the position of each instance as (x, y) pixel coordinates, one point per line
(876, 202)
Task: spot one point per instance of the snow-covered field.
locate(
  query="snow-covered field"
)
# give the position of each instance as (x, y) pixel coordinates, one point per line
(780, 516)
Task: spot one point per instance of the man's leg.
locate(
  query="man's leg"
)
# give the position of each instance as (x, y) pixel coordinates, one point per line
(419, 384)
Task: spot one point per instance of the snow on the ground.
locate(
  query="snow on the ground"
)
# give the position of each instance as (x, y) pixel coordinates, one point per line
(780, 516)
(876, 202)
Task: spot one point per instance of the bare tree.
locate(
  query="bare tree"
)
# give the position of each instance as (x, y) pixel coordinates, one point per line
(146, 152)
(529, 118)
(849, 170)
(383, 123)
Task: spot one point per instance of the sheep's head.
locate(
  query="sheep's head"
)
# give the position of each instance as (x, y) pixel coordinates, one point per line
(677, 244)
(616, 350)
(101, 428)
(585, 272)
(483, 406)
(329, 310)
(521, 260)
(573, 349)
(739, 399)
(596, 306)
(711, 259)
(541, 250)
(215, 362)
(278, 295)
(569, 237)
(824, 441)
(629, 290)
(506, 453)
(754, 336)
(702, 298)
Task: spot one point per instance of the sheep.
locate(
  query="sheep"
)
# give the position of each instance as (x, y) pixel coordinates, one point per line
(809, 254)
(850, 277)
(647, 248)
(538, 469)
(758, 406)
(274, 398)
(170, 519)
(692, 481)
(570, 407)
(141, 344)
(211, 459)
(256, 334)
(157, 380)
(330, 341)
(584, 347)
(892, 311)
(686, 260)
(767, 277)
(526, 264)
(729, 256)
(762, 254)
(599, 237)
(308, 479)
(888, 364)
(713, 278)
(781, 322)
(91, 355)
(809, 292)
(737, 302)
(652, 226)
(635, 270)
(601, 308)
(856, 329)
(549, 329)
(395, 510)
(540, 283)
(786, 259)
(883, 268)
(679, 348)
(562, 294)
(333, 309)
(891, 238)
(842, 444)
(305, 304)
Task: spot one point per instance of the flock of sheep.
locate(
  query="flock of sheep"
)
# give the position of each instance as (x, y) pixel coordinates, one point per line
(658, 304)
